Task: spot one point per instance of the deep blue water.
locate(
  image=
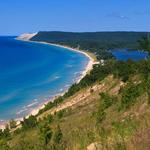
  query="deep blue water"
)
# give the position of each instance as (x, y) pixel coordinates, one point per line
(30, 73)
(125, 54)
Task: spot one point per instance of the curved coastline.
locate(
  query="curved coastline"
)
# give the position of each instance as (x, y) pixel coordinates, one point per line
(88, 68)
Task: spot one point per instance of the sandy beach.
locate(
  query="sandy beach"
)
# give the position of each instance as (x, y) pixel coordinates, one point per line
(90, 64)
(87, 69)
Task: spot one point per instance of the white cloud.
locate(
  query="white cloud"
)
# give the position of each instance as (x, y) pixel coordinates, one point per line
(117, 15)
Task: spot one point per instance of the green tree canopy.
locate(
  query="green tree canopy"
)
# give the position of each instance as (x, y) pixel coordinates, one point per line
(144, 43)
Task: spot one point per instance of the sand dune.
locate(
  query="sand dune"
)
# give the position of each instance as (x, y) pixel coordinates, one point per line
(26, 36)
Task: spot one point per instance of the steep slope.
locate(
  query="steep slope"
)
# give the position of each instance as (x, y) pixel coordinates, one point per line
(93, 118)
(108, 109)
(26, 36)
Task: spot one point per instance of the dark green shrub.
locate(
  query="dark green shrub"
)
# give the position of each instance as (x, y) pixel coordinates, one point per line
(130, 94)
(45, 133)
(57, 138)
(12, 124)
(49, 118)
(107, 100)
(100, 116)
(30, 122)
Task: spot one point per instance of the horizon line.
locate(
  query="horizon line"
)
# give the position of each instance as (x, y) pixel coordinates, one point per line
(73, 32)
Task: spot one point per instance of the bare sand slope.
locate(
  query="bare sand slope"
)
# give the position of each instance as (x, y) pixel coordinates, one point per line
(87, 95)
(26, 36)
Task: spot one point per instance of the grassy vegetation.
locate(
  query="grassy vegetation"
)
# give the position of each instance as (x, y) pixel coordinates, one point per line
(105, 118)
(121, 70)
(110, 111)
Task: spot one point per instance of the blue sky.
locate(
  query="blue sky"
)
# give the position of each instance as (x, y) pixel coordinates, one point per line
(19, 16)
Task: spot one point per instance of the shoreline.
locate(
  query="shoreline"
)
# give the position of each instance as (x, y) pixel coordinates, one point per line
(89, 65)
(88, 68)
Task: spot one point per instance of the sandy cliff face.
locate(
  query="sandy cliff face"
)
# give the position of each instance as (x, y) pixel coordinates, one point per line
(26, 36)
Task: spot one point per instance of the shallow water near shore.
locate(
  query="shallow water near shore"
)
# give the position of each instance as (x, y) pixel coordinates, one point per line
(31, 73)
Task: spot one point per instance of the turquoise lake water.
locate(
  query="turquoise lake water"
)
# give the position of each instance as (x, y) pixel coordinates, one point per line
(31, 73)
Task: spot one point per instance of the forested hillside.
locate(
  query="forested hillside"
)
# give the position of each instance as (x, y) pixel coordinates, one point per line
(96, 42)
(108, 109)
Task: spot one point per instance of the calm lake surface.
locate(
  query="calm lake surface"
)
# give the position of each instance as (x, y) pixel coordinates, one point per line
(30, 73)
(125, 54)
